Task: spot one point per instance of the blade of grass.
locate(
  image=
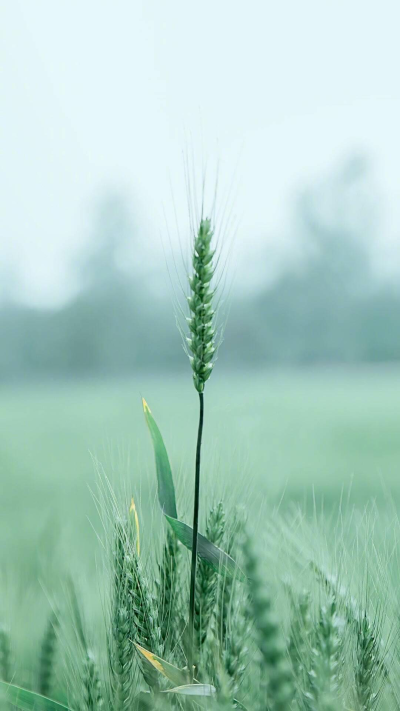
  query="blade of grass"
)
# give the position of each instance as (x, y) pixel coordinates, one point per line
(217, 558)
(214, 556)
(166, 489)
(29, 700)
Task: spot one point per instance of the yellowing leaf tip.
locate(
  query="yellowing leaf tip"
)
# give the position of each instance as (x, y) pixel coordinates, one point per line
(150, 658)
(145, 406)
(132, 509)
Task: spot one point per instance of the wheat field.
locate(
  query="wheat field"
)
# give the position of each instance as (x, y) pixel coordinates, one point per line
(311, 456)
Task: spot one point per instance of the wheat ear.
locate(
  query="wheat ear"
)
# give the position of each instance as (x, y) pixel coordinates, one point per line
(201, 343)
(206, 581)
(168, 593)
(277, 689)
(5, 655)
(48, 655)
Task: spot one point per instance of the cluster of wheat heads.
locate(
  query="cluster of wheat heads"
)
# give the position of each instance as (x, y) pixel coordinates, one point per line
(212, 629)
(302, 628)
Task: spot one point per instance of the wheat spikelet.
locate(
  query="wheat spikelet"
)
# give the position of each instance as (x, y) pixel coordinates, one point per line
(369, 656)
(299, 633)
(233, 619)
(229, 583)
(90, 694)
(236, 646)
(48, 656)
(277, 687)
(207, 578)
(135, 617)
(370, 669)
(167, 586)
(120, 652)
(91, 685)
(324, 676)
(5, 655)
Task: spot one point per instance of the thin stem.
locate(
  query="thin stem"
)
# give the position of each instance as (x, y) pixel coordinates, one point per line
(195, 532)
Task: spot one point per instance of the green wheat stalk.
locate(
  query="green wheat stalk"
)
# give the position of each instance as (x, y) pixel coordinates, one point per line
(201, 344)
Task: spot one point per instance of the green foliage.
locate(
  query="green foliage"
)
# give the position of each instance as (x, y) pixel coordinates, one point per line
(324, 651)
(271, 644)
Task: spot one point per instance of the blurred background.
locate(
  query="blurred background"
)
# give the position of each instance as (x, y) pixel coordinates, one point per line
(108, 111)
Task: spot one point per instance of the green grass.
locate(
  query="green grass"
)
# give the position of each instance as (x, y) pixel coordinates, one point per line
(266, 433)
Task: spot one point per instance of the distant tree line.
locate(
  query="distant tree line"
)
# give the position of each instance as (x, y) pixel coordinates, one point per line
(326, 305)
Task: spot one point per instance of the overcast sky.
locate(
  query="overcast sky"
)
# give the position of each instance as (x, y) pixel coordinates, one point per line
(99, 94)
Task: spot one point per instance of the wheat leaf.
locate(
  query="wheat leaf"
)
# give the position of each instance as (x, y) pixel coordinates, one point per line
(29, 700)
(217, 558)
(214, 556)
(177, 676)
(193, 690)
(166, 489)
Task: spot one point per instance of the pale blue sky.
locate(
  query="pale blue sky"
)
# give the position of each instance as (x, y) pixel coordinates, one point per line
(100, 93)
